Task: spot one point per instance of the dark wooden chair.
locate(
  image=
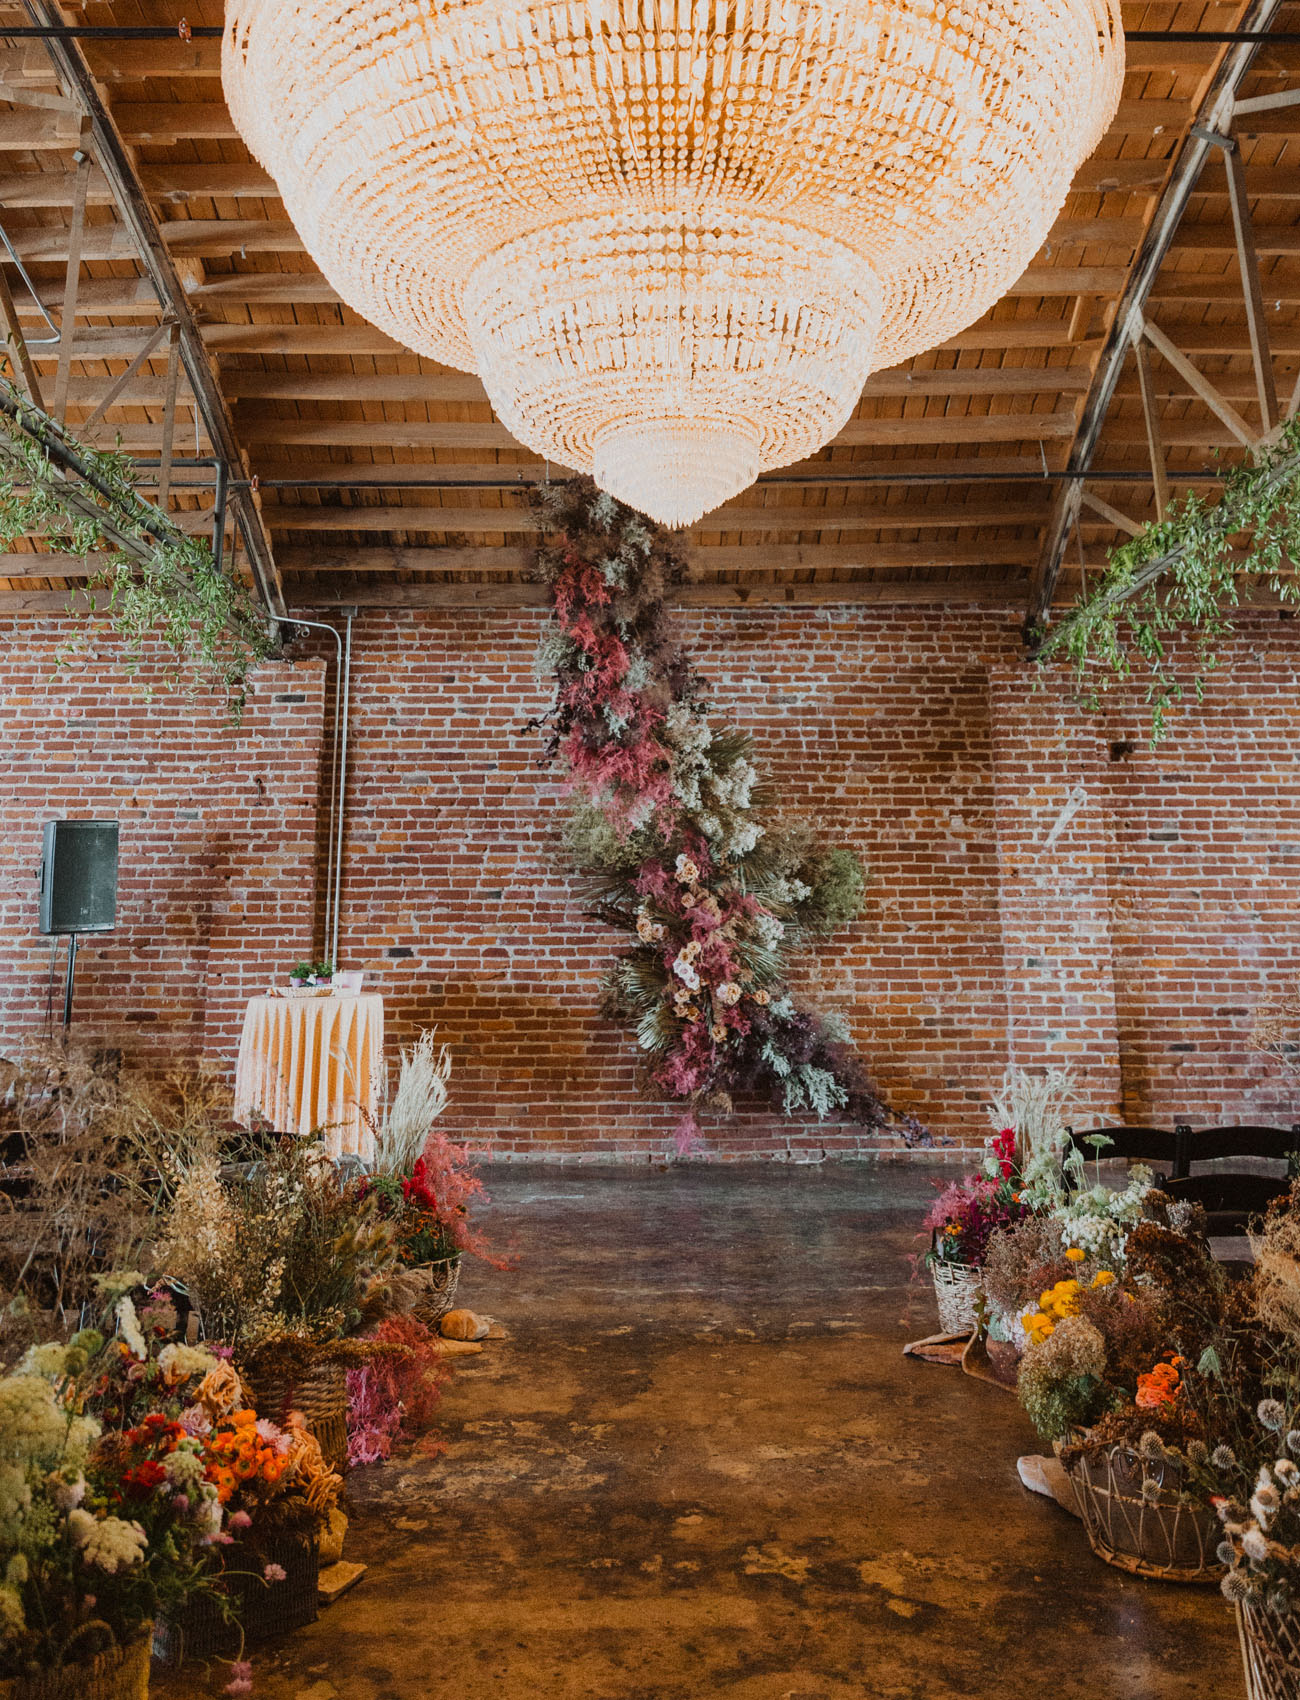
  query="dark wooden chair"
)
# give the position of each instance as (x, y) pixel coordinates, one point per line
(1232, 1197)
(1162, 1147)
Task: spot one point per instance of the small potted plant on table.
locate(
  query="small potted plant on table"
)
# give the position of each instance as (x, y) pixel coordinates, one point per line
(300, 976)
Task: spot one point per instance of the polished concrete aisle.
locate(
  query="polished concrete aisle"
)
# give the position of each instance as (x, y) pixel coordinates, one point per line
(700, 1468)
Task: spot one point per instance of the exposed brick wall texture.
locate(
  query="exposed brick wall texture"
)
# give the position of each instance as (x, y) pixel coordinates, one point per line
(1037, 896)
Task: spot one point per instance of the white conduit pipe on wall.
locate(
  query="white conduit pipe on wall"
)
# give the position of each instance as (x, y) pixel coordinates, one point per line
(338, 778)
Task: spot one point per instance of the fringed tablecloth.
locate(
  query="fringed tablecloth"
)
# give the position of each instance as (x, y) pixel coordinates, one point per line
(313, 1064)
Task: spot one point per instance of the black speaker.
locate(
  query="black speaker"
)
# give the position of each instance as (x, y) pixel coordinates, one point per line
(79, 876)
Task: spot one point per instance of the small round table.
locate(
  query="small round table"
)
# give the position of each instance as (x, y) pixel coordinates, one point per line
(313, 1064)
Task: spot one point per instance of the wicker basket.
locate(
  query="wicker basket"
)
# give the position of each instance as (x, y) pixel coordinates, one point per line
(1158, 1537)
(262, 1609)
(956, 1287)
(120, 1673)
(434, 1286)
(1270, 1651)
(321, 1396)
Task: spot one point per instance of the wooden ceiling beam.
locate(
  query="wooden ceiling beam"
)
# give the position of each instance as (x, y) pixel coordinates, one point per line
(120, 297)
(450, 558)
(204, 238)
(992, 592)
(1217, 95)
(784, 516)
(437, 388)
(258, 425)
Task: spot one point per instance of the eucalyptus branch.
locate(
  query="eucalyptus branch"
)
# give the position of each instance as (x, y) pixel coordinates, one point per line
(162, 583)
(1186, 572)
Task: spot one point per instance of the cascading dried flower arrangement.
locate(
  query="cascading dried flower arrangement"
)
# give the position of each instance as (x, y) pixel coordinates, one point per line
(672, 830)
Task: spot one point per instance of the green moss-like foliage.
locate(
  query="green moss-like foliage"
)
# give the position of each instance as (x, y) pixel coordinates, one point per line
(1061, 1383)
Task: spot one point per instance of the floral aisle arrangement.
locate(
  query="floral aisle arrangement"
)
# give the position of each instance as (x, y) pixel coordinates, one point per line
(424, 1188)
(962, 1221)
(287, 1262)
(101, 1528)
(672, 827)
(1138, 1373)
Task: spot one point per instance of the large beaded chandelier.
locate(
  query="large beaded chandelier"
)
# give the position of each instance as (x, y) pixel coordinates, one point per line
(673, 237)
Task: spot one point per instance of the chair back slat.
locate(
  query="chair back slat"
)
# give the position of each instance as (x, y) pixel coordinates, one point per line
(1152, 1144)
(1231, 1201)
(1208, 1143)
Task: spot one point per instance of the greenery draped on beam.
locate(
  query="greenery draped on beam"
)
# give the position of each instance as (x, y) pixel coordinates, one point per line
(162, 584)
(1186, 572)
(673, 830)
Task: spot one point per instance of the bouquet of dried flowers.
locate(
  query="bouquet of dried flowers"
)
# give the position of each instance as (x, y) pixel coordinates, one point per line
(99, 1529)
(90, 1150)
(966, 1214)
(282, 1251)
(392, 1398)
(421, 1184)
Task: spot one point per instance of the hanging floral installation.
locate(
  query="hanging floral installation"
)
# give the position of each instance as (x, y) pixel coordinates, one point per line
(1186, 574)
(163, 585)
(672, 832)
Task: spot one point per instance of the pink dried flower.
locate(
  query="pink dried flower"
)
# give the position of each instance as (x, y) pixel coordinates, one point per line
(241, 1678)
(273, 1573)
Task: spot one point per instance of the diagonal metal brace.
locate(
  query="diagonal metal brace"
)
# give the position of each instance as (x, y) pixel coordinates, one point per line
(1248, 261)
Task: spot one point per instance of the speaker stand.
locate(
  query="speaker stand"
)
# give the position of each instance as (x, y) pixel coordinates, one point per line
(67, 990)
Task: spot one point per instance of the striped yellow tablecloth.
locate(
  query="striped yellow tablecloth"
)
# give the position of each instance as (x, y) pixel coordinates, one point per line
(313, 1064)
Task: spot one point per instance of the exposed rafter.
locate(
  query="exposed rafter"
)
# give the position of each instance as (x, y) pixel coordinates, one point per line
(137, 214)
(1215, 114)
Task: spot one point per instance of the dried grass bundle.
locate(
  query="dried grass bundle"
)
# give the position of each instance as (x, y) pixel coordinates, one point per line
(1277, 1027)
(1038, 1107)
(402, 1129)
(1277, 1267)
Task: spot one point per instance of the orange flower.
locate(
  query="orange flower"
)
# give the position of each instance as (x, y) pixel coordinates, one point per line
(1159, 1388)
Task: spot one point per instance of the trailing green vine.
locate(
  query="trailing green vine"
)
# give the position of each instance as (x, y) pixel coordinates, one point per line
(1186, 572)
(162, 584)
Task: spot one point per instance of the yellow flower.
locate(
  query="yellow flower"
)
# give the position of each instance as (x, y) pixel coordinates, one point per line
(1103, 1278)
(1075, 1255)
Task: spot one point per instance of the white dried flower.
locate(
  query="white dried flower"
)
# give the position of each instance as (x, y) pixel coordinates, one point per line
(1254, 1543)
(180, 1363)
(109, 1543)
(1271, 1413)
(128, 1326)
(729, 993)
(687, 872)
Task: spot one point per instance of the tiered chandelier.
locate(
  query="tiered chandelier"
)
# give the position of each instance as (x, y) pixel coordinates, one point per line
(673, 237)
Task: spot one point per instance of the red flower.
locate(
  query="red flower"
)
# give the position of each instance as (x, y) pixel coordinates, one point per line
(141, 1480)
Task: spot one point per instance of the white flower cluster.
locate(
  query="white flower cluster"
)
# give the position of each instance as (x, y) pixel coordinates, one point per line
(128, 1326)
(770, 930)
(180, 1363)
(109, 1543)
(1098, 1221)
(717, 799)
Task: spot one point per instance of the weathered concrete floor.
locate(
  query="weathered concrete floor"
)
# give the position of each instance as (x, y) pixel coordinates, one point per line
(701, 1468)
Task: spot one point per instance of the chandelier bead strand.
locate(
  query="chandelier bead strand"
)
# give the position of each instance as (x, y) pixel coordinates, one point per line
(673, 237)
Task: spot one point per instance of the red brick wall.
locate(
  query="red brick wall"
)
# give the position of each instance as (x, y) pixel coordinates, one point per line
(216, 877)
(1027, 901)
